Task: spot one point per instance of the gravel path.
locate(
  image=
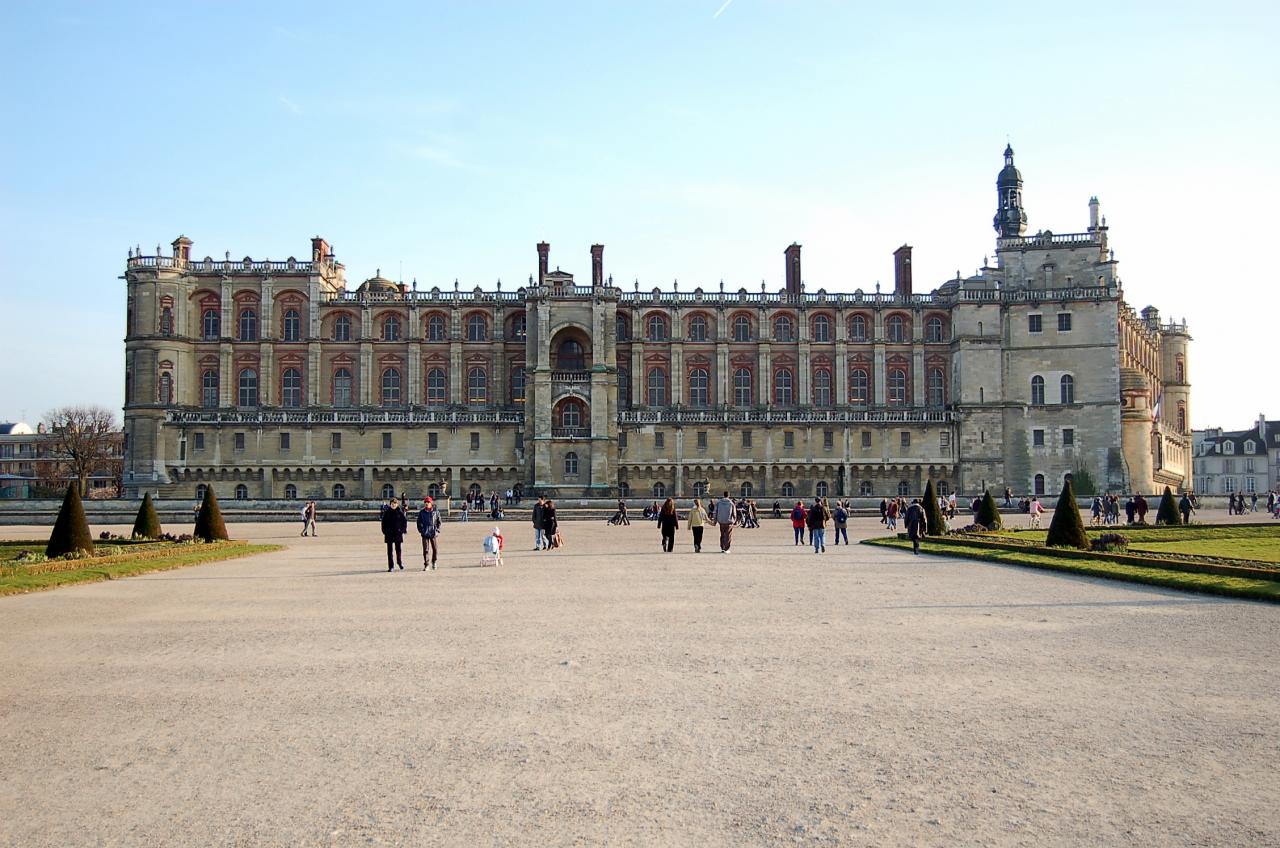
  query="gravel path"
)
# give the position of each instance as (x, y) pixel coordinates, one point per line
(611, 694)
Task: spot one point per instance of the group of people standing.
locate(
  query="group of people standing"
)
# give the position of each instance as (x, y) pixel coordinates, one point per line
(546, 529)
(1236, 504)
(814, 519)
(395, 523)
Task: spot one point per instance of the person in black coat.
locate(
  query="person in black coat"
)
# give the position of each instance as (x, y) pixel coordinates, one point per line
(668, 524)
(394, 525)
(915, 522)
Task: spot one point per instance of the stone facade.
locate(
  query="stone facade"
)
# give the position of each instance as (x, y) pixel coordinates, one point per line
(273, 379)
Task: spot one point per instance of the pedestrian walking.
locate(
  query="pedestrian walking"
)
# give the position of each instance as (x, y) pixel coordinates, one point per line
(842, 522)
(798, 516)
(724, 518)
(884, 511)
(915, 521)
(306, 517)
(668, 524)
(892, 514)
(393, 527)
(622, 513)
(818, 525)
(697, 519)
(539, 512)
(311, 517)
(1140, 507)
(1035, 509)
(550, 526)
(1184, 506)
(428, 528)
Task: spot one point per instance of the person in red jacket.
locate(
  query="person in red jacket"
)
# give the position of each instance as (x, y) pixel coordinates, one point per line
(798, 516)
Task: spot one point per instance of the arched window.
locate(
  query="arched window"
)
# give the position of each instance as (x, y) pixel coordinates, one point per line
(342, 388)
(698, 329)
(944, 488)
(339, 491)
(1037, 390)
(437, 387)
(624, 489)
(571, 464)
(209, 389)
(699, 381)
(742, 387)
(342, 328)
(166, 321)
(200, 490)
(904, 489)
(570, 357)
(859, 386)
(821, 489)
(517, 384)
(858, 328)
(821, 328)
(433, 491)
(1039, 485)
(865, 489)
(166, 388)
(745, 489)
(936, 387)
(782, 388)
(1067, 389)
(822, 387)
(248, 388)
(435, 328)
(1182, 417)
(788, 490)
(742, 329)
(388, 491)
(700, 489)
(659, 490)
(211, 324)
(391, 387)
(292, 326)
(477, 328)
(783, 329)
(570, 414)
(291, 388)
(242, 492)
(248, 325)
(622, 328)
(657, 328)
(519, 327)
(895, 328)
(1180, 370)
(290, 492)
(391, 329)
(657, 387)
(624, 388)
(933, 329)
(477, 386)
(897, 387)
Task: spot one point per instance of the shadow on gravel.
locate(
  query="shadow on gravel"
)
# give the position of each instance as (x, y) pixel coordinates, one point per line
(1169, 603)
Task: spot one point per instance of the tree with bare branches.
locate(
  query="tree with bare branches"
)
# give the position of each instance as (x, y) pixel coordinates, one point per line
(82, 441)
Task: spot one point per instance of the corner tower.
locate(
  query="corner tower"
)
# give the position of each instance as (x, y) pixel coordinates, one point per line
(1011, 218)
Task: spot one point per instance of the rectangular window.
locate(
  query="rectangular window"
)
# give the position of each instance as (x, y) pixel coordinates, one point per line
(386, 441)
(475, 441)
(433, 441)
(1068, 437)
(702, 440)
(788, 439)
(199, 441)
(335, 441)
(284, 441)
(866, 438)
(622, 438)
(1037, 438)
(906, 438)
(746, 438)
(239, 441)
(659, 440)
(1035, 323)
(1229, 466)
(1064, 322)
(519, 440)
(1248, 466)
(944, 442)
(828, 439)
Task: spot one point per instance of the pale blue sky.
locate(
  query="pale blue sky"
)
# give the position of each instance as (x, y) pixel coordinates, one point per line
(447, 139)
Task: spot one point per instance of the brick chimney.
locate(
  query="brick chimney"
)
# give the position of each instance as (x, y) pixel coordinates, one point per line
(793, 269)
(902, 271)
(597, 265)
(319, 249)
(544, 256)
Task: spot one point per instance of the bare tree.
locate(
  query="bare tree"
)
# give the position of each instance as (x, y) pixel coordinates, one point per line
(84, 441)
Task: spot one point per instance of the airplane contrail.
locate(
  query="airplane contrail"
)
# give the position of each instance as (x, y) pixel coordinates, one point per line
(721, 9)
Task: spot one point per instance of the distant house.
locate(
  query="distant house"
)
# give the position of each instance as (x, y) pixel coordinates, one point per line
(1248, 461)
(30, 467)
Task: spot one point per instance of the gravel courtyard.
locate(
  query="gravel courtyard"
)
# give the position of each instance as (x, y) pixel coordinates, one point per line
(611, 694)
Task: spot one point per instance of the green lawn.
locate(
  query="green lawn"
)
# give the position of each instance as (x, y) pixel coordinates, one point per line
(1214, 584)
(1261, 550)
(123, 561)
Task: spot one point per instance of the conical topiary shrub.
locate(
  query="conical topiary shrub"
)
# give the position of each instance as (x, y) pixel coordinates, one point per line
(147, 524)
(1168, 513)
(936, 524)
(988, 513)
(209, 524)
(1067, 529)
(71, 530)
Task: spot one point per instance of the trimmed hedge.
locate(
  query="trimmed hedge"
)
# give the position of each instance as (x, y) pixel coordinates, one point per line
(1168, 513)
(70, 530)
(147, 524)
(988, 513)
(936, 525)
(209, 524)
(1067, 529)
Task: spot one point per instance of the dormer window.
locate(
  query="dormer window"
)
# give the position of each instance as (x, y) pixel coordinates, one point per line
(1228, 447)
(1249, 446)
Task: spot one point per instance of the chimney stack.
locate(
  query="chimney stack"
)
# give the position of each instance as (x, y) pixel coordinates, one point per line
(319, 249)
(902, 271)
(1094, 214)
(597, 265)
(793, 269)
(544, 255)
(182, 249)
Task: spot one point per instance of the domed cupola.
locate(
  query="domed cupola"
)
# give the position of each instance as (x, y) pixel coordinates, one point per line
(378, 284)
(1011, 218)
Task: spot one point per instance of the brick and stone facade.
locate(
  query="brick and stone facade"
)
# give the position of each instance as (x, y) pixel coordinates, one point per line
(272, 379)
